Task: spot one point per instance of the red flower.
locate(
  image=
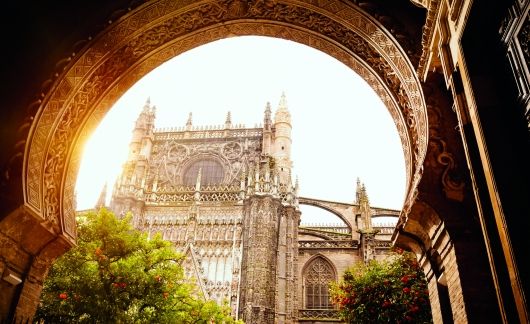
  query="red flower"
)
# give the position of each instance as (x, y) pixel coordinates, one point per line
(405, 279)
(115, 284)
(414, 309)
(406, 290)
(123, 284)
(386, 304)
(63, 296)
(165, 294)
(98, 251)
(386, 282)
(158, 278)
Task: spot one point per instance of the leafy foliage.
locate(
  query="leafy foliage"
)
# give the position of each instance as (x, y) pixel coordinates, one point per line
(390, 291)
(117, 275)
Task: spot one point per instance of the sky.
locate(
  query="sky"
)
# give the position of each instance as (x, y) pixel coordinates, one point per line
(340, 128)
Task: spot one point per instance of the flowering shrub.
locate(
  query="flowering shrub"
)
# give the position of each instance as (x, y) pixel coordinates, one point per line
(390, 291)
(117, 275)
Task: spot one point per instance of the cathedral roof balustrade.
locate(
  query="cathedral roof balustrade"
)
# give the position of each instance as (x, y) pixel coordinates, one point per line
(183, 220)
(342, 244)
(331, 227)
(238, 131)
(384, 229)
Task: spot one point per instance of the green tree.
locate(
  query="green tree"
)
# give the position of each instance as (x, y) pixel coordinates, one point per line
(117, 275)
(390, 291)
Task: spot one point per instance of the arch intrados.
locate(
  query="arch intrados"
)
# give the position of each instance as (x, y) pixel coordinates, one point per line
(157, 31)
(305, 202)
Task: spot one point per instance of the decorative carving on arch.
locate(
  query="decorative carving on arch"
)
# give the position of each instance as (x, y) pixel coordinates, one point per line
(422, 223)
(452, 182)
(157, 31)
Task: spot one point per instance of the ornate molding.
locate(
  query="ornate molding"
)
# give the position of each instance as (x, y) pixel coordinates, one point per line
(343, 244)
(319, 314)
(451, 180)
(428, 33)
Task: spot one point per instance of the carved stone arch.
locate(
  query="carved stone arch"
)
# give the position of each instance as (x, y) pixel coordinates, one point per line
(421, 218)
(317, 273)
(320, 255)
(144, 38)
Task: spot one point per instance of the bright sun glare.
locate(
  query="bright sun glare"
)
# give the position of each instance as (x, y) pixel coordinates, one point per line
(341, 129)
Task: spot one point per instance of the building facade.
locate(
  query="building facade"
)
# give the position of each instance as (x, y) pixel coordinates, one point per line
(225, 197)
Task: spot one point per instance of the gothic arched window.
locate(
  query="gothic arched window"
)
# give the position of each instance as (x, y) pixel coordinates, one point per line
(212, 172)
(317, 277)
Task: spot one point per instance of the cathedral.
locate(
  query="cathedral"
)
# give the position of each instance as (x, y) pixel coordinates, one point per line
(224, 195)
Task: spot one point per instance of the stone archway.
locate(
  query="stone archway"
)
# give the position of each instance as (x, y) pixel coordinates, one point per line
(155, 32)
(144, 38)
(467, 142)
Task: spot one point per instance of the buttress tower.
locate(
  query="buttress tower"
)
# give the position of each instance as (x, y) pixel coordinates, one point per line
(270, 225)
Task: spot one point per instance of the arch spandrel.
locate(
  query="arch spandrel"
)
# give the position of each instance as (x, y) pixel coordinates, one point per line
(155, 32)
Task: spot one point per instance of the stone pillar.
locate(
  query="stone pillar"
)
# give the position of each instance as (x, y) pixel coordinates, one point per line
(260, 245)
(287, 260)
(28, 246)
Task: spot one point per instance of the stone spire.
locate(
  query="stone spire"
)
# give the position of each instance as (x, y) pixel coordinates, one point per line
(267, 130)
(282, 141)
(228, 121)
(143, 130)
(358, 192)
(282, 114)
(364, 208)
(189, 123)
(267, 120)
(147, 104)
(102, 200)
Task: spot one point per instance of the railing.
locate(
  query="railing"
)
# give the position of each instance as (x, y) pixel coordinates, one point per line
(199, 132)
(319, 314)
(384, 230)
(336, 228)
(344, 244)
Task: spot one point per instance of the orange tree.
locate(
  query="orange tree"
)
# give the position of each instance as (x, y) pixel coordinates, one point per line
(117, 275)
(390, 291)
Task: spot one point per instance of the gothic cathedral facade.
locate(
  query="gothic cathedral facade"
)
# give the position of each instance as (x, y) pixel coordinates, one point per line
(225, 197)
